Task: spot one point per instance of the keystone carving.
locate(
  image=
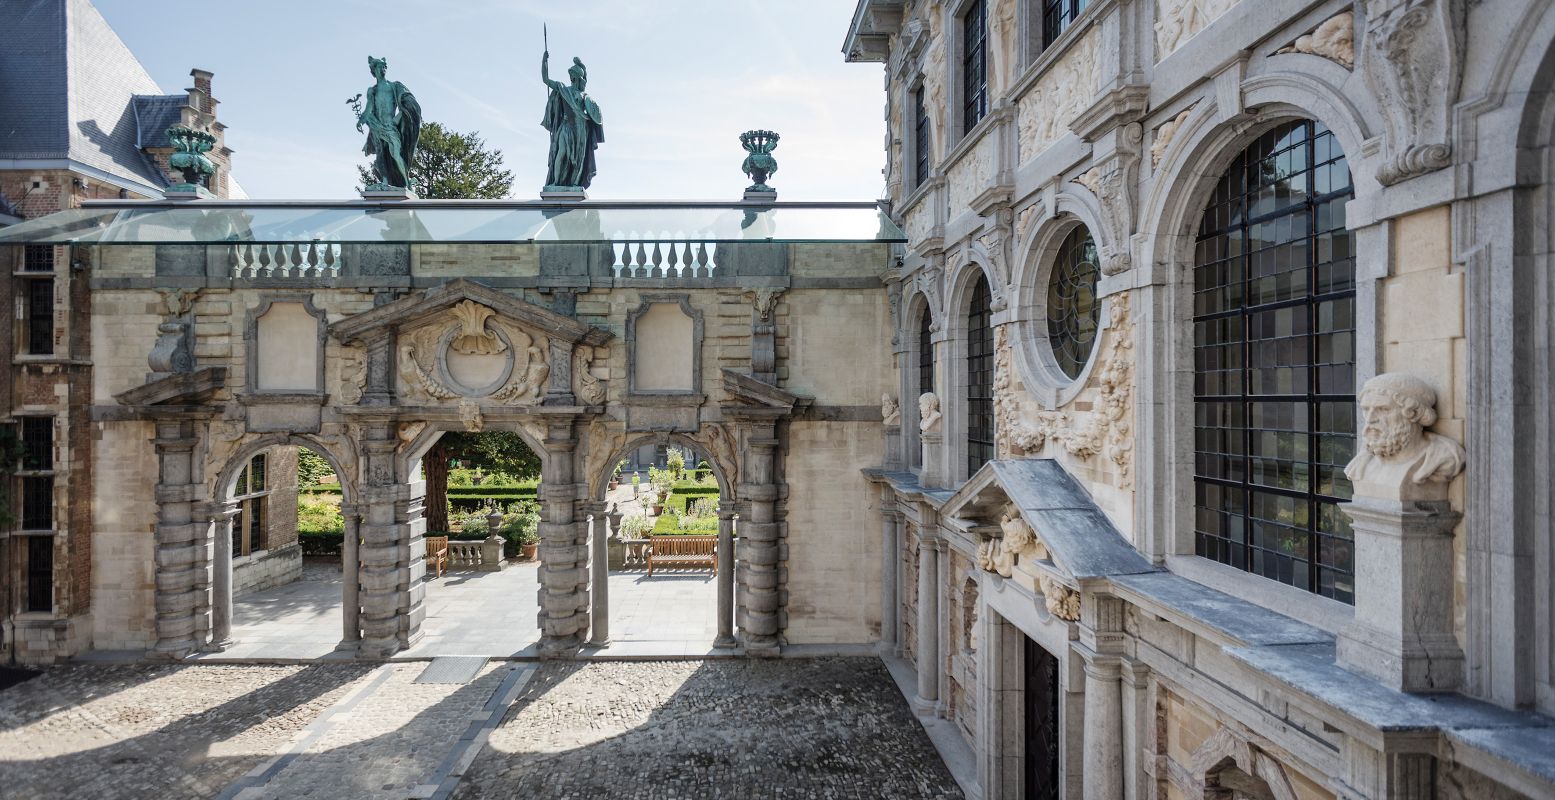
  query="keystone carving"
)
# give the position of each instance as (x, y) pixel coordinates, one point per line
(1399, 458)
(1333, 40)
(1413, 64)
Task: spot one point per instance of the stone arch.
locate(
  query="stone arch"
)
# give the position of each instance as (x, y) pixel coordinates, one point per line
(239, 458)
(599, 474)
(919, 311)
(412, 450)
(1028, 341)
(951, 372)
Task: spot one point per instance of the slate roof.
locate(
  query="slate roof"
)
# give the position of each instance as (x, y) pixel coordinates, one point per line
(154, 114)
(67, 90)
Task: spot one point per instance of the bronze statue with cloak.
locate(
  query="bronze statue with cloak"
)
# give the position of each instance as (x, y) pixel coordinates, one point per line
(393, 120)
(576, 128)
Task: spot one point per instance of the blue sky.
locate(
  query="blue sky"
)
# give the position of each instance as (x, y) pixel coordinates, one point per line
(676, 80)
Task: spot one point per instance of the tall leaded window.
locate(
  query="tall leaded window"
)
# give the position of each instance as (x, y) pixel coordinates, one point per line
(979, 378)
(38, 258)
(925, 353)
(248, 526)
(1073, 313)
(40, 316)
(1274, 364)
(920, 139)
(974, 64)
(40, 573)
(1057, 16)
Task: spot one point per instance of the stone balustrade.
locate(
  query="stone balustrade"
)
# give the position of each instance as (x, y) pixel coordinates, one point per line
(312, 260)
(662, 255)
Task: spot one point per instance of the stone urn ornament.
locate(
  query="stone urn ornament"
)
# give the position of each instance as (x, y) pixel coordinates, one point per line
(759, 165)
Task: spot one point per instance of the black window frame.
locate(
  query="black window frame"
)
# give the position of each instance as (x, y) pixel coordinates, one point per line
(37, 503)
(1244, 345)
(252, 497)
(38, 258)
(974, 64)
(39, 300)
(979, 377)
(39, 596)
(1073, 309)
(37, 437)
(1058, 16)
(923, 160)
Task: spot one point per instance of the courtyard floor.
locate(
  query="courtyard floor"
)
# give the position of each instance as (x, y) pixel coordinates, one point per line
(480, 613)
(788, 728)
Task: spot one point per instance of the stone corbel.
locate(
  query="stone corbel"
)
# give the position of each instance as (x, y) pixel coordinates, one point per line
(1412, 60)
(1115, 188)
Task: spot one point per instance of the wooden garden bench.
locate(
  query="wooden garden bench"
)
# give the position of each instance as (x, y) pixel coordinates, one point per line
(437, 554)
(683, 551)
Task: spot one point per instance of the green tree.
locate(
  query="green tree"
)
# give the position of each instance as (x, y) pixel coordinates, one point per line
(311, 467)
(492, 451)
(453, 165)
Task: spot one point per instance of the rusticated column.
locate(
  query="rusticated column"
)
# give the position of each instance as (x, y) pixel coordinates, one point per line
(392, 553)
(564, 576)
(759, 544)
(183, 548)
(727, 519)
(928, 625)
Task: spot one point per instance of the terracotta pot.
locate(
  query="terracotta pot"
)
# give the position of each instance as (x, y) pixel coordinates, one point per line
(530, 551)
(657, 510)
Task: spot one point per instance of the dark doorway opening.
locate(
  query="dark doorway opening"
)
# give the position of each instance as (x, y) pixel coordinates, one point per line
(1041, 722)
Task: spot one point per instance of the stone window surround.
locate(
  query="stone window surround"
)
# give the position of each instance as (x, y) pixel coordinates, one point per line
(950, 369)
(1217, 146)
(1039, 371)
(912, 181)
(951, 36)
(912, 442)
(251, 344)
(648, 300)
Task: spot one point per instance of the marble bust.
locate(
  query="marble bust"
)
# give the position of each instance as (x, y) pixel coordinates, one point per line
(890, 412)
(1399, 458)
(928, 413)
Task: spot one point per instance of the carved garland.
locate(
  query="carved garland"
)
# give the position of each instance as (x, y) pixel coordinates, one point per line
(1107, 430)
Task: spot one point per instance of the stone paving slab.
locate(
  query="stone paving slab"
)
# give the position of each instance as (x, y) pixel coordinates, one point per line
(155, 732)
(821, 728)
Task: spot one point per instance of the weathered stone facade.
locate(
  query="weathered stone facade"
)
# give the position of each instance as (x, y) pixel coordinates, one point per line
(1176, 675)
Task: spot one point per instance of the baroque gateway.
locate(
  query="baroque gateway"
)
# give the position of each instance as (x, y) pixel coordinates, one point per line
(1180, 427)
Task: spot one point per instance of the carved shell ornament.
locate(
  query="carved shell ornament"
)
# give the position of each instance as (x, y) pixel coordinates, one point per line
(473, 338)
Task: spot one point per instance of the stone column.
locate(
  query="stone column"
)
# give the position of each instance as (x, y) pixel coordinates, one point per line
(928, 625)
(392, 552)
(1402, 634)
(599, 634)
(759, 601)
(221, 579)
(350, 578)
(1103, 736)
(183, 550)
(890, 518)
(1138, 716)
(564, 578)
(726, 522)
(943, 646)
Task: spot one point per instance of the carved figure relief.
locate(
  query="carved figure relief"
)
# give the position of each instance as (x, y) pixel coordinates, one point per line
(1060, 600)
(473, 355)
(1413, 64)
(1177, 21)
(178, 302)
(351, 369)
(590, 389)
(1105, 430)
(1333, 40)
(1059, 96)
(1019, 545)
(1164, 135)
(890, 412)
(928, 413)
(764, 301)
(928, 281)
(1399, 457)
(721, 446)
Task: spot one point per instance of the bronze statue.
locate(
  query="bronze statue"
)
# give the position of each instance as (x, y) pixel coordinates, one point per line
(576, 128)
(393, 120)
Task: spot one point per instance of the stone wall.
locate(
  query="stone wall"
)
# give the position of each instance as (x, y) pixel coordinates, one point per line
(266, 569)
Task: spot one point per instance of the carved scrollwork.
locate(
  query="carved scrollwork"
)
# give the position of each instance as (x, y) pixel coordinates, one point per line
(1414, 63)
(590, 389)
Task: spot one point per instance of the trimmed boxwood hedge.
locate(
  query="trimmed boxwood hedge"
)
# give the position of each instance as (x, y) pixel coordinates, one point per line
(329, 543)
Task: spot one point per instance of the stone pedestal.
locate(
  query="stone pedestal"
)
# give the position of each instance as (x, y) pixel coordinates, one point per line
(391, 193)
(492, 557)
(932, 476)
(564, 195)
(1402, 634)
(893, 447)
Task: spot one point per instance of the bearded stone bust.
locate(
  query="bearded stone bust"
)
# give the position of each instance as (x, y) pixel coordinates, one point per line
(928, 413)
(1399, 458)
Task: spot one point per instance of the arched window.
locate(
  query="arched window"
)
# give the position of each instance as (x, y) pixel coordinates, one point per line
(1073, 313)
(979, 378)
(1274, 364)
(925, 353)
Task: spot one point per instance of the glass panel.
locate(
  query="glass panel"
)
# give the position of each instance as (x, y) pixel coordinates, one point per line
(40, 316)
(37, 443)
(467, 221)
(40, 573)
(1073, 313)
(1274, 364)
(979, 384)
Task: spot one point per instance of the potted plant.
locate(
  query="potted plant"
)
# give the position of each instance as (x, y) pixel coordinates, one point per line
(529, 543)
(662, 482)
(615, 477)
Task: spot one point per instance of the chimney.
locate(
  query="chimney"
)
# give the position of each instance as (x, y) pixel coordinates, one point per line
(202, 84)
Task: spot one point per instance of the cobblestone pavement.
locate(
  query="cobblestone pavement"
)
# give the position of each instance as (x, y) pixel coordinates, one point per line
(156, 732)
(825, 728)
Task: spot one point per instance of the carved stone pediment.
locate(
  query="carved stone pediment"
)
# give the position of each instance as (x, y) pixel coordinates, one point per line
(465, 343)
(1039, 528)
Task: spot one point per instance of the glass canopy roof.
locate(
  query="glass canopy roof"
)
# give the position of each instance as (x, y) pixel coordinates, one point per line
(456, 221)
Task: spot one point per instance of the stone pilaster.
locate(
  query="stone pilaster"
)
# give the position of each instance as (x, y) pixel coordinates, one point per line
(928, 625)
(183, 546)
(564, 578)
(890, 520)
(727, 519)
